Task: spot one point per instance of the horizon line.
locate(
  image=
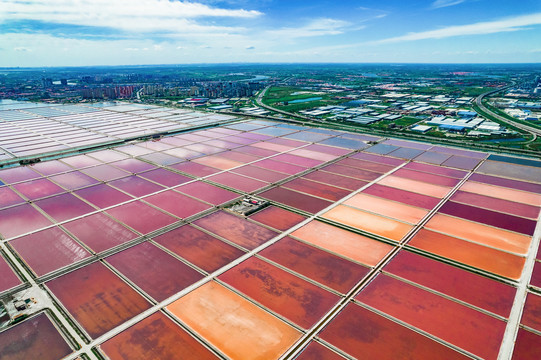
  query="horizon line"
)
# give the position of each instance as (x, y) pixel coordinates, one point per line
(270, 63)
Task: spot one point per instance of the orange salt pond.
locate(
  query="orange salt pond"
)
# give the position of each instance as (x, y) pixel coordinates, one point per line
(415, 186)
(502, 193)
(217, 162)
(480, 233)
(345, 243)
(388, 208)
(238, 328)
(472, 254)
(374, 224)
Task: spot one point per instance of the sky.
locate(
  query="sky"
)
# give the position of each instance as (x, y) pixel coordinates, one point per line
(38, 33)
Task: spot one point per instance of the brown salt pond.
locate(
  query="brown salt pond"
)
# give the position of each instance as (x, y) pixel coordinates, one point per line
(156, 337)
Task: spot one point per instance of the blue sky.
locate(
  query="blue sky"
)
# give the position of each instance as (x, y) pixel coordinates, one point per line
(129, 32)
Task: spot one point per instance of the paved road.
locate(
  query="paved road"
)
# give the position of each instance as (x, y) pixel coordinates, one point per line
(479, 102)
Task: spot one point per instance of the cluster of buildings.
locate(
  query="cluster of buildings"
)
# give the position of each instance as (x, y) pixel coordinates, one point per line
(522, 110)
(221, 89)
(109, 92)
(473, 125)
(433, 112)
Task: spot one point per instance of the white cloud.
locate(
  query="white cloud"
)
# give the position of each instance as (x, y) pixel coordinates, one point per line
(445, 3)
(126, 15)
(316, 27)
(481, 28)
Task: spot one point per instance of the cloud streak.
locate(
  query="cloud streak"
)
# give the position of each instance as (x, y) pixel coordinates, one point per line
(316, 27)
(124, 15)
(482, 28)
(446, 3)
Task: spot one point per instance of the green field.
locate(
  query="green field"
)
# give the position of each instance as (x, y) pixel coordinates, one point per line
(280, 94)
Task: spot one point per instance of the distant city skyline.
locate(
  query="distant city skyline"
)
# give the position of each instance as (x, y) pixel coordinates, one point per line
(36, 33)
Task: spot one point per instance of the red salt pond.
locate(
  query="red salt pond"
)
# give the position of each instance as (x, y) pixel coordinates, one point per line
(97, 298)
(277, 218)
(366, 335)
(154, 271)
(51, 167)
(136, 186)
(474, 289)
(199, 248)
(438, 170)
(132, 213)
(500, 205)
(527, 346)
(206, 192)
(73, 180)
(9, 197)
(133, 165)
(294, 298)
(48, 250)
(238, 182)
(17, 174)
(165, 177)
(403, 196)
(335, 180)
(470, 330)
(99, 232)
(64, 207)
(489, 217)
(482, 234)
(279, 166)
(103, 195)
(426, 177)
(194, 169)
(8, 279)
(260, 173)
(321, 266)
(316, 189)
(235, 229)
(21, 219)
(531, 316)
(355, 173)
(296, 199)
(36, 189)
(177, 204)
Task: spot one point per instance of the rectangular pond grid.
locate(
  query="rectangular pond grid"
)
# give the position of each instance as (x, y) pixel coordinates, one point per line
(139, 239)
